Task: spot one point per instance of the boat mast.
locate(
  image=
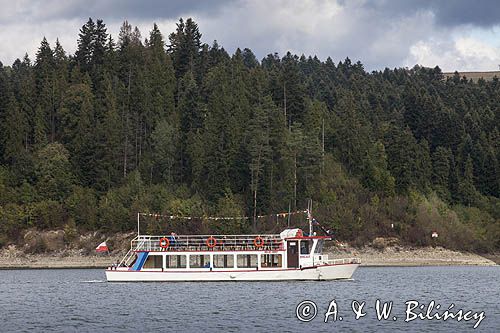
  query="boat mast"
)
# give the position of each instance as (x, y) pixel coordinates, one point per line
(309, 216)
(138, 214)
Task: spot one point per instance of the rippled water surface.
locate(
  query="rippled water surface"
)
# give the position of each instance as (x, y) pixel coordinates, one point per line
(81, 301)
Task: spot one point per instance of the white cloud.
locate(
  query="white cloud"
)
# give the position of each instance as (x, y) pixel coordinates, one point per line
(460, 53)
(26, 38)
(322, 28)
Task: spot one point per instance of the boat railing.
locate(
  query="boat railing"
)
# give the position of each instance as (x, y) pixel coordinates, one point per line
(344, 261)
(126, 259)
(207, 243)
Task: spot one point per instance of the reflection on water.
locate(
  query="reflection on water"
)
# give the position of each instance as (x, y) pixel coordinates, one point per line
(81, 301)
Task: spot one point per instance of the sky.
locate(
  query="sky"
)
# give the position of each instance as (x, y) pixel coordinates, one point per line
(452, 34)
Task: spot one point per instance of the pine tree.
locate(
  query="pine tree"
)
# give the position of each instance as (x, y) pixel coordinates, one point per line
(15, 129)
(99, 41)
(292, 87)
(25, 89)
(86, 40)
(249, 58)
(44, 79)
(402, 150)
(60, 85)
(468, 193)
(4, 100)
(162, 78)
(258, 149)
(423, 167)
(191, 121)
(441, 172)
(165, 142)
(136, 100)
(109, 168)
(80, 131)
(185, 44)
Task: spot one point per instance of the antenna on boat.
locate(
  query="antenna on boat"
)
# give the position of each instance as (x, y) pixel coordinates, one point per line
(289, 214)
(309, 216)
(138, 215)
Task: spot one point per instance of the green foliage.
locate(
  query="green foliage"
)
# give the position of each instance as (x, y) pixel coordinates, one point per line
(13, 218)
(53, 172)
(229, 206)
(165, 138)
(47, 214)
(183, 128)
(441, 160)
(81, 205)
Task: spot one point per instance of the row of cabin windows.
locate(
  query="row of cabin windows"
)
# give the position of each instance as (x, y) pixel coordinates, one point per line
(219, 261)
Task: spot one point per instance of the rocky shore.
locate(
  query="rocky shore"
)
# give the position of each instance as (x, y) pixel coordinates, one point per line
(54, 249)
(408, 256)
(56, 260)
(391, 256)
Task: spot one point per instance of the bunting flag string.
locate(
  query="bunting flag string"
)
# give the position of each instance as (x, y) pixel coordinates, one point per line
(285, 214)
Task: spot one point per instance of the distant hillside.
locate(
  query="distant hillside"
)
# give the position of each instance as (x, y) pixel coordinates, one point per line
(88, 140)
(476, 75)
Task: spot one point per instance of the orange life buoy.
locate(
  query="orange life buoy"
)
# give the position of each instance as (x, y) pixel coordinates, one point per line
(211, 242)
(164, 242)
(258, 241)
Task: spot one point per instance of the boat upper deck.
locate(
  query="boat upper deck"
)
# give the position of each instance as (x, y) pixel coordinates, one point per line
(173, 243)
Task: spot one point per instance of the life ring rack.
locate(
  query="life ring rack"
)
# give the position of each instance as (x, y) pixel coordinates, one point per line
(211, 242)
(164, 243)
(258, 242)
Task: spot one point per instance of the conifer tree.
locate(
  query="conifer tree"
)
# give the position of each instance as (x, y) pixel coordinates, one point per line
(258, 149)
(86, 40)
(441, 172)
(185, 44)
(140, 125)
(15, 129)
(467, 189)
(44, 79)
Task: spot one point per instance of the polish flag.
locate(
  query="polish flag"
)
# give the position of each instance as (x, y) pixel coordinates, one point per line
(102, 247)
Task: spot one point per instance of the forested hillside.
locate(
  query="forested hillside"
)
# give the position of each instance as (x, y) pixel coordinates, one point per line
(177, 126)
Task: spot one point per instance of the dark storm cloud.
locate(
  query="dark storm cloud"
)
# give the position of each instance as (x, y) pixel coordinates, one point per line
(452, 33)
(143, 9)
(112, 9)
(481, 13)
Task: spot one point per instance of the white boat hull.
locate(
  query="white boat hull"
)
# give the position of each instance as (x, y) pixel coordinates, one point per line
(324, 272)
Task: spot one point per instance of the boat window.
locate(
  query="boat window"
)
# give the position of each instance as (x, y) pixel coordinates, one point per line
(246, 261)
(319, 246)
(199, 261)
(175, 261)
(223, 260)
(153, 262)
(305, 247)
(271, 260)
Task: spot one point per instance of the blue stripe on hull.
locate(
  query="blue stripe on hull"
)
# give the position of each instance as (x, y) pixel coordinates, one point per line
(141, 259)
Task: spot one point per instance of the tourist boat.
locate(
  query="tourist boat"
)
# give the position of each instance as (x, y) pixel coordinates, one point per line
(290, 255)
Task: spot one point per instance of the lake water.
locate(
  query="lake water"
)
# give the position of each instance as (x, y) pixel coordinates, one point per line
(79, 300)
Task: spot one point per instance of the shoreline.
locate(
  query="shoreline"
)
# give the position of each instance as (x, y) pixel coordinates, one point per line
(370, 257)
(397, 256)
